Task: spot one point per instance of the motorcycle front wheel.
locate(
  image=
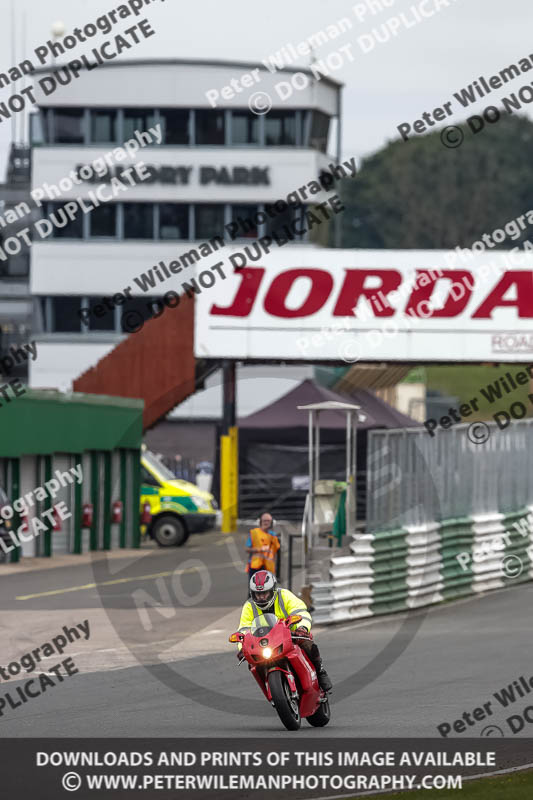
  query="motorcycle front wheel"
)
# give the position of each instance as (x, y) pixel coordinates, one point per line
(285, 705)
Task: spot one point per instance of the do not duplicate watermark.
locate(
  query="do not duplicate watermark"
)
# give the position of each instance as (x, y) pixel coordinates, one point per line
(39, 684)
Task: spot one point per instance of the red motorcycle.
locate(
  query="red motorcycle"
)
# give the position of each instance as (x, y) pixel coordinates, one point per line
(283, 671)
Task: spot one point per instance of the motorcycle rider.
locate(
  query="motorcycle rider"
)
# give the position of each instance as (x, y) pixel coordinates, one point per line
(267, 598)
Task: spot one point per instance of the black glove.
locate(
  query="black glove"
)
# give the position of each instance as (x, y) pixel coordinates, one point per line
(240, 656)
(301, 632)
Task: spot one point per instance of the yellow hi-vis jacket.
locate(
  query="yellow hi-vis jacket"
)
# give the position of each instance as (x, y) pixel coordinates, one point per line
(285, 603)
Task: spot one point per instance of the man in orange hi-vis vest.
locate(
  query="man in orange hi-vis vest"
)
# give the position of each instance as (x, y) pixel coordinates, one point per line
(262, 545)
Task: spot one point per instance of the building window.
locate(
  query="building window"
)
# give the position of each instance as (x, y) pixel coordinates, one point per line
(318, 138)
(291, 219)
(280, 128)
(68, 126)
(41, 320)
(146, 307)
(39, 128)
(16, 266)
(170, 221)
(173, 221)
(103, 125)
(209, 221)
(137, 119)
(210, 128)
(103, 221)
(105, 321)
(243, 222)
(65, 317)
(244, 128)
(175, 125)
(63, 226)
(138, 220)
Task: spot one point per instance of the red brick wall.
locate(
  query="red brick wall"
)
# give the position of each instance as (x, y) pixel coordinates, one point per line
(156, 364)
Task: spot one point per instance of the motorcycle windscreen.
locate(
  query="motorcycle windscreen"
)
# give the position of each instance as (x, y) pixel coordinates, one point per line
(263, 624)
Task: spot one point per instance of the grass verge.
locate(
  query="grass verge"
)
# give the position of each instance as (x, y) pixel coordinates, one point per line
(516, 786)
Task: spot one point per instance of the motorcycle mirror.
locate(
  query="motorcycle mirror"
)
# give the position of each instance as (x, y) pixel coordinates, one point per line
(235, 637)
(294, 618)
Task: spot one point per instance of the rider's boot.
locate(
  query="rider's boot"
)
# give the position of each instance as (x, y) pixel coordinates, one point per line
(324, 681)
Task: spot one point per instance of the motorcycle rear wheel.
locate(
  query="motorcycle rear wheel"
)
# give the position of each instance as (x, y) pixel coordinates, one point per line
(285, 705)
(321, 716)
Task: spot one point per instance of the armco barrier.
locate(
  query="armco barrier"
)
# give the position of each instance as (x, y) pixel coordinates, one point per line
(415, 566)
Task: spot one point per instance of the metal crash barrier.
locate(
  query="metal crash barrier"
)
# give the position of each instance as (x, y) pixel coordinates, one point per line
(435, 531)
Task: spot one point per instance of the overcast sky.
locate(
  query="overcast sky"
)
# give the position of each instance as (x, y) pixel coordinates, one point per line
(416, 71)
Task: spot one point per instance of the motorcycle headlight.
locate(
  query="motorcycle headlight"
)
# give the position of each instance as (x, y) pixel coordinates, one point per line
(267, 652)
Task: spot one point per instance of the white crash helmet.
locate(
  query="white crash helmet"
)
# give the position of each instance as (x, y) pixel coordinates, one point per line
(263, 581)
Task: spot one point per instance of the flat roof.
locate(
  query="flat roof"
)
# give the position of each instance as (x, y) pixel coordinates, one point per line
(84, 397)
(195, 62)
(329, 405)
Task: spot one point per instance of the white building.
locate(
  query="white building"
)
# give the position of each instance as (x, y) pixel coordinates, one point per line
(212, 166)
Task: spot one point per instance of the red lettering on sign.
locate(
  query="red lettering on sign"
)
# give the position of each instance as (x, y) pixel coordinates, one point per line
(246, 293)
(524, 295)
(458, 294)
(354, 287)
(319, 291)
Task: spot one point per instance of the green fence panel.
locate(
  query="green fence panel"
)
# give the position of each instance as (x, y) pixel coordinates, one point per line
(106, 542)
(123, 496)
(95, 499)
(48, 503)
(15, 492)
(78, 503)
(136, 499)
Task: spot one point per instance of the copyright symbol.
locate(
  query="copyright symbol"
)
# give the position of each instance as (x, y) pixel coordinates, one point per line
(452, 136)
(478, 432)
(511, 566)
(71, 781)
(260, 103)
(132, 321)
(491, 730)
(349, 352)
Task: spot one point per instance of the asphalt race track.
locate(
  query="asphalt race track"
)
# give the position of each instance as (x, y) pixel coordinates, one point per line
(390, 678)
